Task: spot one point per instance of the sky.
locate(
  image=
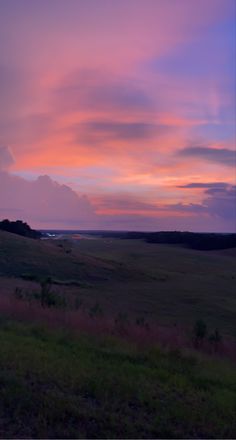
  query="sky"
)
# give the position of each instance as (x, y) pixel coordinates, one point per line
(118, 114)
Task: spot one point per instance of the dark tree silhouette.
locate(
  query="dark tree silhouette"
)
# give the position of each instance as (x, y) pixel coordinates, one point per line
(19, 227)
(193, 240)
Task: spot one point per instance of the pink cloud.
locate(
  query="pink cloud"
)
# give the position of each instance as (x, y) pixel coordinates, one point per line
(43, 202)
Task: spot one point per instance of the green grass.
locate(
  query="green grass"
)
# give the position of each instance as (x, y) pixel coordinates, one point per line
(161, 283)
(34, 259)
(54, 385)
(179, 285)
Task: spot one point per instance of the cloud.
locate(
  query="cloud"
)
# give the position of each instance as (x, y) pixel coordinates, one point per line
(43, 202)
(15, 89)
(92, 90)
(218, 207)
(136, 222)
(218, 190)
(219, 201)
(204, 185)
(26, 130)
(125, 203)
(101, 131)
(6, 158)
(193, 208)
(222, 156)
(23, 119)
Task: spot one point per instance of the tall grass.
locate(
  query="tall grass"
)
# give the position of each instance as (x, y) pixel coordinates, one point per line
(87, 321)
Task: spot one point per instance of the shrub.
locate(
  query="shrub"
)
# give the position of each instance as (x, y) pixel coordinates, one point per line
(47, 297)
(45, 293)
(215, 339)
(199, 332)
(18, 293)
(95, 311)
(78, 303)
(122, 322)
(141, 322)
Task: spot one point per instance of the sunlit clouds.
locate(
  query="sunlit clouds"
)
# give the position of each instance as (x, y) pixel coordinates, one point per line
(129, 105)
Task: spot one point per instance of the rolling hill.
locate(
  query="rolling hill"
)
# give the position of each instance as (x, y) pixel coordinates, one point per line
(161, 283)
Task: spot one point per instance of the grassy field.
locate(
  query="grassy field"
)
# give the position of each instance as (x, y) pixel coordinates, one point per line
(160, 283)
(23, 256)
(88, 367)
(54, 385)
(176, 285)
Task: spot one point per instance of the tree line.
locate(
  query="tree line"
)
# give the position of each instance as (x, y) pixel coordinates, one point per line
(193, 240)
(20, 228)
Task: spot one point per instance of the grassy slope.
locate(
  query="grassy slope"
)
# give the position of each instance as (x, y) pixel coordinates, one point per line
(162, 283)
(56, 386)
(19, 256)
(182, 284)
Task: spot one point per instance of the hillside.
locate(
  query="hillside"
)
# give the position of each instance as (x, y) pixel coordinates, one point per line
(24, 257)
(54, 385)
(112, 354)
(161, 283)
(180, 285)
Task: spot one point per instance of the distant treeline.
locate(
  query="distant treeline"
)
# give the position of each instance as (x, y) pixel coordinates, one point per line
(20, 228)
(193, 240)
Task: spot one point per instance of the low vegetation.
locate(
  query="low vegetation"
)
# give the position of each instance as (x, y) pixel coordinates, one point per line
(115, 339)
(56, 385)
(46, 306)
(162, 283)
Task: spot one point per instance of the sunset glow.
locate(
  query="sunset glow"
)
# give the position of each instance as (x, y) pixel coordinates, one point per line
(127, 110)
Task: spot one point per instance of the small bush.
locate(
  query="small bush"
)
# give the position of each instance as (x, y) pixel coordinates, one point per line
(215, 338)
(55, 300)
(45, 293)
(46, 296)
(78, 303)
(141, 322)
(95, 311)
(199, 332)
(122, 322)
(18, 293)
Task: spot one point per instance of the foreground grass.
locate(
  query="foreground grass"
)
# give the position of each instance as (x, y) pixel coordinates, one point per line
(55, 385)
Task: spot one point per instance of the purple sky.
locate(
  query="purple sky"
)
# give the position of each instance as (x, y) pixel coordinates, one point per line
(118, 114)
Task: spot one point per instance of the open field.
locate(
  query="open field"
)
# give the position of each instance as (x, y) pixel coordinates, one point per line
(54, 385)
(113, 355)
(21, 256)
(179, 285)
(161, 283)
